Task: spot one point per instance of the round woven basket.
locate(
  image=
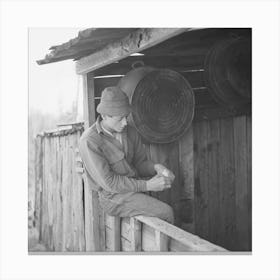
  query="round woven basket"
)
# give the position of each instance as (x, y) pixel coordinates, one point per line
(162, 101)
(228, 71)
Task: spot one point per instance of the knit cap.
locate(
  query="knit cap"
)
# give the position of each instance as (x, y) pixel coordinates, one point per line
(114, 102)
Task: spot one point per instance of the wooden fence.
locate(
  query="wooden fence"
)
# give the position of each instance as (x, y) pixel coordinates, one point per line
(59, 210)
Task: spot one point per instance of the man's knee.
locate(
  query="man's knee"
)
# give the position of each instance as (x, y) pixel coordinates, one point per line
(168, 214)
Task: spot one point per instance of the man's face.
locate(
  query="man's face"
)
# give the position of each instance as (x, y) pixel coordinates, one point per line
(116, 123)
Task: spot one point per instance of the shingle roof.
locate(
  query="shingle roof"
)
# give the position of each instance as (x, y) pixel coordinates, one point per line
(87, 42)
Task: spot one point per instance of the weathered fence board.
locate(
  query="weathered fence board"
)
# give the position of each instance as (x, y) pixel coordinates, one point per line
(59, 197)
(148, 239)
(38, 184)
(136, 237)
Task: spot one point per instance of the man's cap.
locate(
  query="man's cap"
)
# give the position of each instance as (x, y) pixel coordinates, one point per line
(114, 102)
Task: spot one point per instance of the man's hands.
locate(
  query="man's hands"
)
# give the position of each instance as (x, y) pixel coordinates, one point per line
(163, 171)
(162, 180)
(158, 183)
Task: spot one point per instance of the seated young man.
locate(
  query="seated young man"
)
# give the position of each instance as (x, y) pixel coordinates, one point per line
(115, 163)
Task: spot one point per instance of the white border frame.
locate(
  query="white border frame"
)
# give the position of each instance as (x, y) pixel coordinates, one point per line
(18, 16)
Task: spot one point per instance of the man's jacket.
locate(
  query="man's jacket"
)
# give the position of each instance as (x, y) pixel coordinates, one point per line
(112, 167)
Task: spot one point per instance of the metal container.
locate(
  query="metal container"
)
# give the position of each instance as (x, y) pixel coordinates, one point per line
(162, 101)
(228, 72)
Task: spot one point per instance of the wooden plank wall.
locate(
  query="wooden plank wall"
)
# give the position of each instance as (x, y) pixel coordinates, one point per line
(211, 195)
(222, 168)
(59, 203)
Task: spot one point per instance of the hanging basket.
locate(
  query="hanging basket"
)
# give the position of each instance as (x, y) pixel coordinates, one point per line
(162, 101)
(228, 72)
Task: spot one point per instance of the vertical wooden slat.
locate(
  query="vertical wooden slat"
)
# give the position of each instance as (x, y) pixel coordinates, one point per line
(91, 232)
(38, 184)
(78, 198)
(135, 229)
(227, 183)
(59, 214)
(186, 162)
(201, 179)
(214, 209)
(48, 192)
(241, 189)
(64, 196)
(161, 241)
(75, 196)
(102, 235)
(249, 178)
(51, 191)
(88, 96)
(55, 208)
(45, 194)
(52, 186)
(91, 197)
(116, 229)
(67, 197)
(176, 190)
(117, 234)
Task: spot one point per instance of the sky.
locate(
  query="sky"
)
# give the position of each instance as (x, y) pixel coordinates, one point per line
(52, 87)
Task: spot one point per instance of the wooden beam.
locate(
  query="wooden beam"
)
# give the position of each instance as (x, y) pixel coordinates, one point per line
(88, 102)
(162, 61)
(193, 241)
(136, 244)
(161, 241)
(91, 218)
(137, 41)
(116, 228)
(93, 232)
(101, 225)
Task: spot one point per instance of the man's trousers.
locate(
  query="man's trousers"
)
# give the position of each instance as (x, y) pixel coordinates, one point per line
(134, 204)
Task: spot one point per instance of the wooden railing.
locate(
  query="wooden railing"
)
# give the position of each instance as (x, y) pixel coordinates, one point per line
(142, 233)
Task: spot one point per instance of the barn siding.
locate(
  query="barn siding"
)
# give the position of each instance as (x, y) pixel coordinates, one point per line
(59, 215)
(222, 164)
(211, 195)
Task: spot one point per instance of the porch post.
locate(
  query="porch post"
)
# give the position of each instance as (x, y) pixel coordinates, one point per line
(92, 233)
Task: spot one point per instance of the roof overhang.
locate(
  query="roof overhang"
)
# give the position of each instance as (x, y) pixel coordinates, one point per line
(87, 42)
(135, 42)
(95, 48)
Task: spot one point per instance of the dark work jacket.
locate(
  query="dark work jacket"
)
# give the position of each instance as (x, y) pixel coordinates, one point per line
(111, 167)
